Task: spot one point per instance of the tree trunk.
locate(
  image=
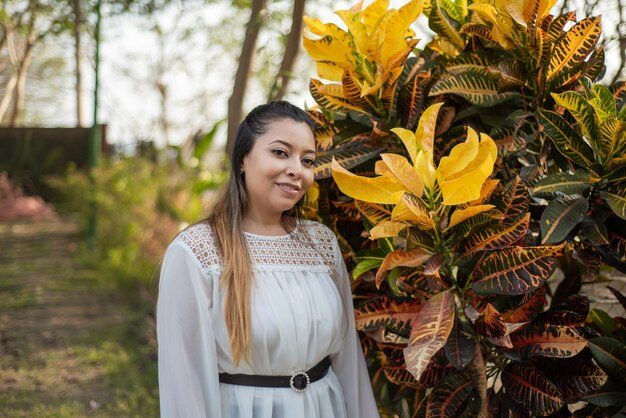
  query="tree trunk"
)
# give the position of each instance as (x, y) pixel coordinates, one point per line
(78, 54)
(285, 73)
(22, 71)
(243, 71)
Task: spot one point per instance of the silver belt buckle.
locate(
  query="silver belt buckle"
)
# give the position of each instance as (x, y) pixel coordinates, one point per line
(299, 381)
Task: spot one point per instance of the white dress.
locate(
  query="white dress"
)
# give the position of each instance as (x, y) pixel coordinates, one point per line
(296, 313)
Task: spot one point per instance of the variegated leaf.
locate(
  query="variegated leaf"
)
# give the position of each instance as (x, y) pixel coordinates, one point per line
(582, 111)
(560, 217)
(444, 26)
(374, 212)
(513, 202)
(489, 323)
(387, 312)
(430, 332)
(612, 138)
(460, 215)
(331, 97)
(574, 377)
(449, 395)
(347, 157)
(528, 386)
(610, 354)
(476, 86)
(352, 91)
(459, 347)
(545, 340)
(559, 22)
(531, 306)
(574, 47)
(515, 270)
(401, 258)
(560, 183)
(492, 238)
(616, 199)
(573, 311)
(410, 101)
(569, 143)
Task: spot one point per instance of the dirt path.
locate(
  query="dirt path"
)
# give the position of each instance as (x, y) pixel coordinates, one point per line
(68, 340)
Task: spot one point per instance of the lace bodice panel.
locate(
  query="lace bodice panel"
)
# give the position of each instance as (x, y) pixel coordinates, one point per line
(310, 246)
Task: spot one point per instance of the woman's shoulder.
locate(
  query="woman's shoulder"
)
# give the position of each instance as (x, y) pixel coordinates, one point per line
(201, 241)
(320, 233)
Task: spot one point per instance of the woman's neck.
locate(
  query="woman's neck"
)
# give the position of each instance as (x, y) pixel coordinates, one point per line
(264, 225)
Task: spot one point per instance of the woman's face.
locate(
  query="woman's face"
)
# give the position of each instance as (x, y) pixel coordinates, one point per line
(279, 168)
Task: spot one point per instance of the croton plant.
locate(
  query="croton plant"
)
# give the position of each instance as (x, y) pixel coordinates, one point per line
(475, 184)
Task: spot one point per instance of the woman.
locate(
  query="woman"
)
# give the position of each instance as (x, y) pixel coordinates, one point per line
(254, 317)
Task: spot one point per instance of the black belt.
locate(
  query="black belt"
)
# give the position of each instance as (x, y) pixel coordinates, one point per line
(298, 381)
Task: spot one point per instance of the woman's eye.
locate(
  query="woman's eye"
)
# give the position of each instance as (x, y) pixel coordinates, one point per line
(280, 152)
(308, 162)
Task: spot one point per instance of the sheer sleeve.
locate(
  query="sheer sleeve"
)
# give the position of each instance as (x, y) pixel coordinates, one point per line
(188, 373)
(349, 363)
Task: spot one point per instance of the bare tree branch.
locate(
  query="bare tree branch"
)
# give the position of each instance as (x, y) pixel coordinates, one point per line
(285, 73)
(243, 70)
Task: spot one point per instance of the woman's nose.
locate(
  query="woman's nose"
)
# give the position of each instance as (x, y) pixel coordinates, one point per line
(294, 168)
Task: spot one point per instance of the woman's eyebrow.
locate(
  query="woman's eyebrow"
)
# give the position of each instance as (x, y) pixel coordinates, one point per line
(288, 145)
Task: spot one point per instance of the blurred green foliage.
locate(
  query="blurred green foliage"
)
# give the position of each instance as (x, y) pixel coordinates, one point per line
(141, 204)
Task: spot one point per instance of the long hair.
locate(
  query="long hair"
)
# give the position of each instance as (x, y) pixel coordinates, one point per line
(226, 223)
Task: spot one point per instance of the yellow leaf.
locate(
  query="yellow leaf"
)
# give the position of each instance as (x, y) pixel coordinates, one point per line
(488, 187)
(369, 189)
(402, 213)
(373, 13)
(460, 156)
(394, 28)
(459, 215)
(386, 229)
(404, 173)
(544, 7)
(425, 168)
(363, 42)
(373, 212)
(425, 132)
(461, 174)
(408, 139)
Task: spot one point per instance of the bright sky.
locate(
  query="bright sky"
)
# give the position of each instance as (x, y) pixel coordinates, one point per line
(198, 78)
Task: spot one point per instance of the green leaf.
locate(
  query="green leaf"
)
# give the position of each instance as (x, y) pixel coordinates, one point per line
(611, 356)
(611, 138)
(444, 26)
(515, 270)
(595, 232)
(611, 394)
(603, 321)
(557, 183)
(476, 86)
(582, 111)
(528, 386)
(366, 265)
(603, 102)
(616, 199)
(202, 146)
(560, 217)
(569, 143)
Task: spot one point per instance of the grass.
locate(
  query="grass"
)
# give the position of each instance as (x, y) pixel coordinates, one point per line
(72, 344)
